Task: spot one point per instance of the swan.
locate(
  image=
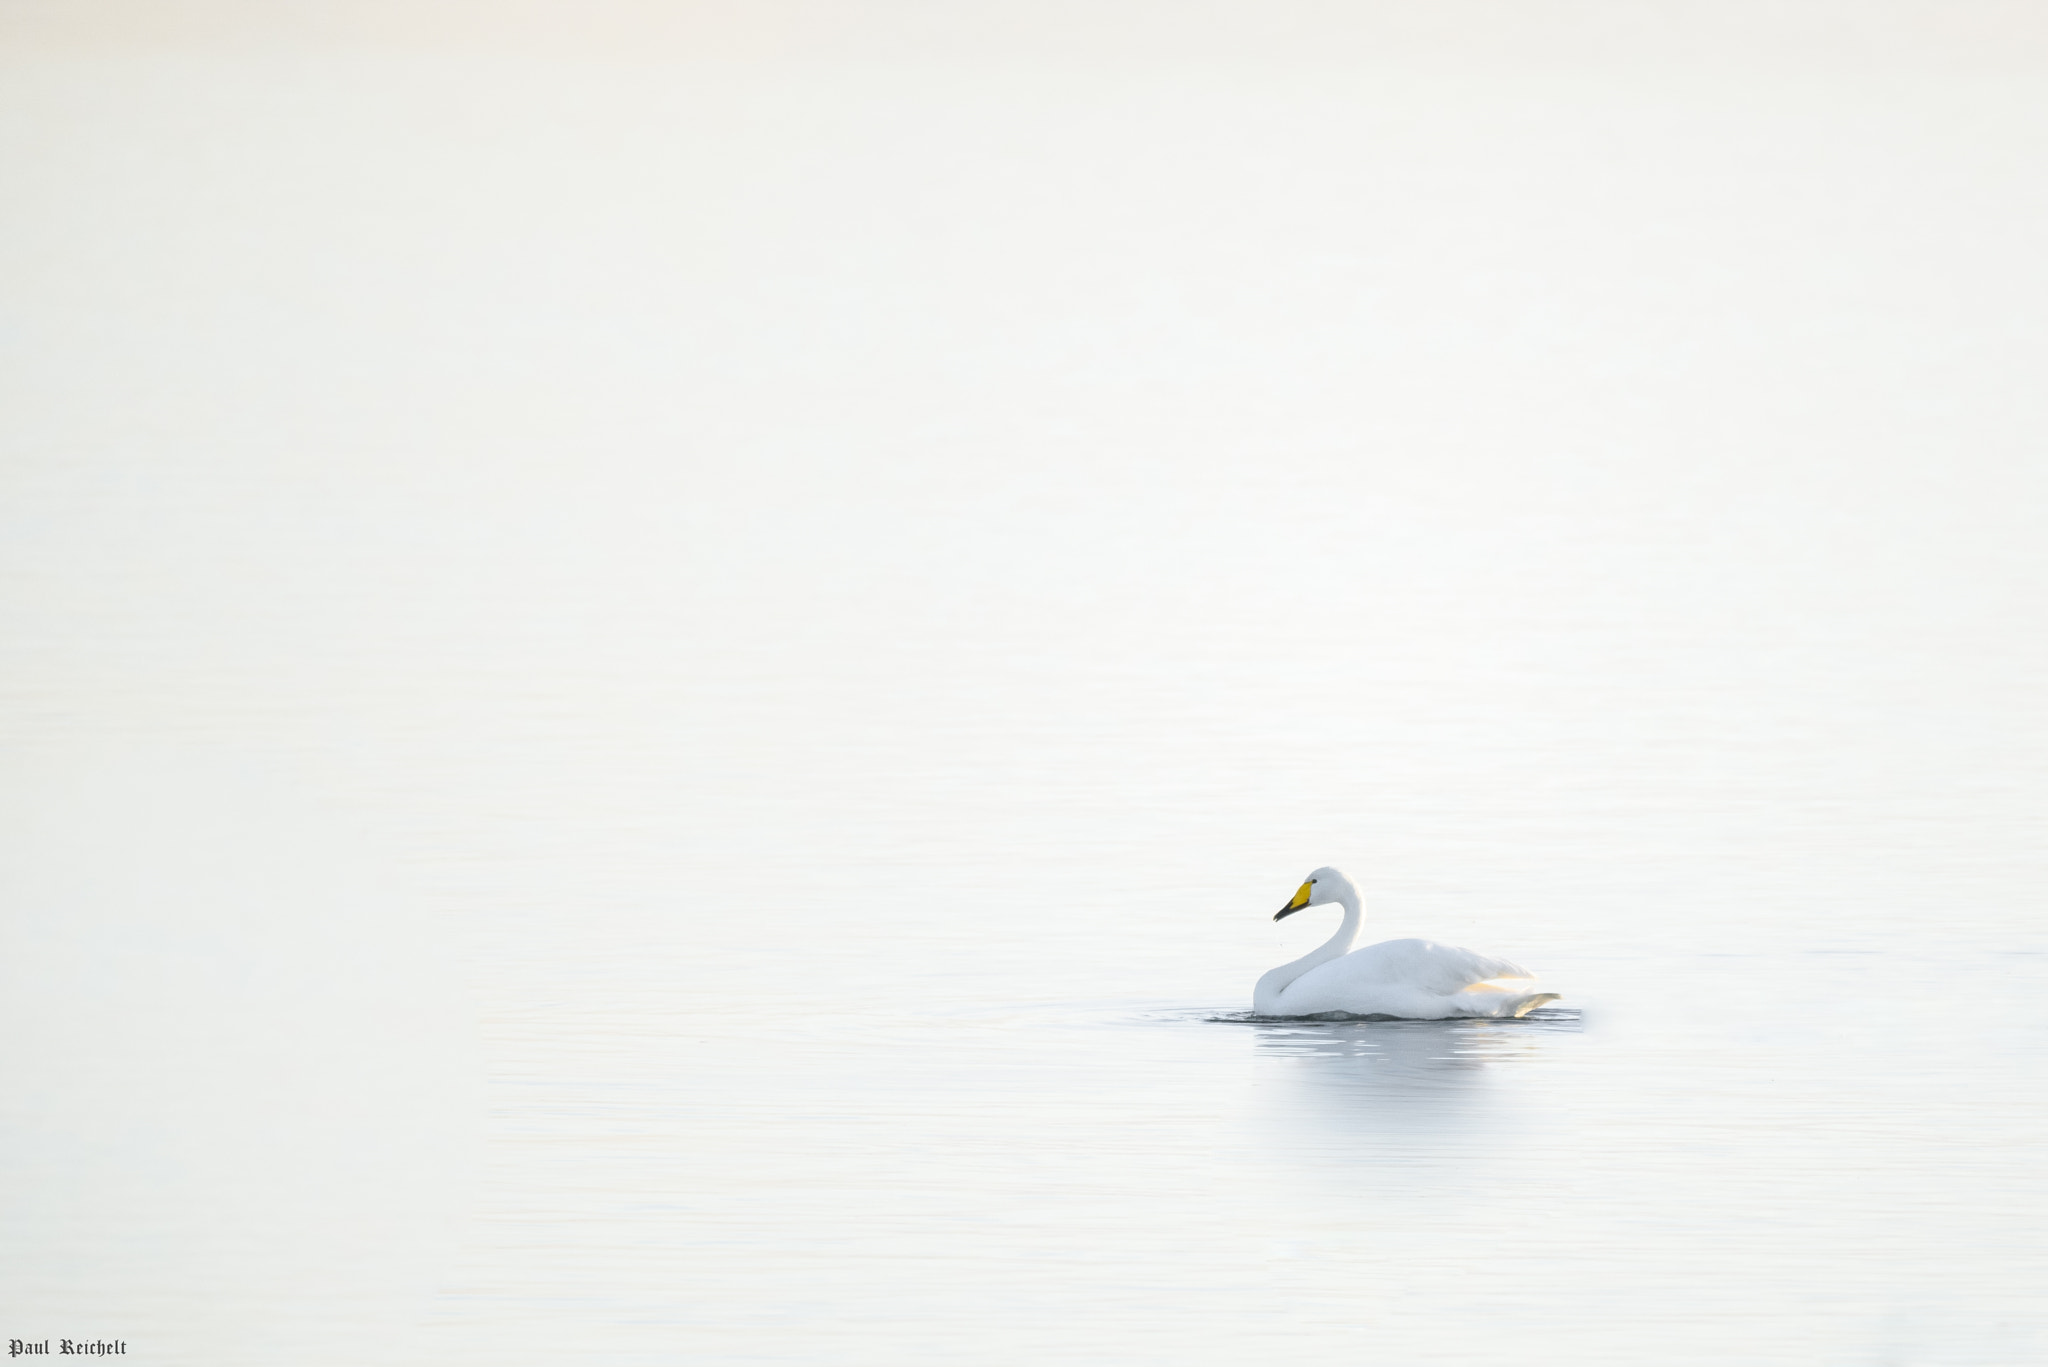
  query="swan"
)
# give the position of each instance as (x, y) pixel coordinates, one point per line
(1408, 979)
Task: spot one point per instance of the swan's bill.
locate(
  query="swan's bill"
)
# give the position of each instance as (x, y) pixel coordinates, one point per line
(1299, 901)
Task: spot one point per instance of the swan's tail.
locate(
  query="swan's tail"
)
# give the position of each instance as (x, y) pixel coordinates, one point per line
(1504, 997)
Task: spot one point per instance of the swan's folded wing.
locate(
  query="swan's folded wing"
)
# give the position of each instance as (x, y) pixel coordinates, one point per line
(1438, 968)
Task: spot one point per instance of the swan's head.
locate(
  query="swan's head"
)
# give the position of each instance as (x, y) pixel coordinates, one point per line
(1324, 885)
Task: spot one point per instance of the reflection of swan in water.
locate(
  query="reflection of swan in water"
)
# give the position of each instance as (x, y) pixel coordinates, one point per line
(1402, 1053)
(1404, 979)
(1366, 1091)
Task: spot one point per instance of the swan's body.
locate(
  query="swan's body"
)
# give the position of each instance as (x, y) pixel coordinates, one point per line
(1411, 979)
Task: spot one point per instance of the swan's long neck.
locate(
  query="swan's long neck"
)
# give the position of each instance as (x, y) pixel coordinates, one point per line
(1266, 995)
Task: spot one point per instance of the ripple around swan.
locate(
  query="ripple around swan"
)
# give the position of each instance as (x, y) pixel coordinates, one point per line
(1417, 1049)
(1552, 1018)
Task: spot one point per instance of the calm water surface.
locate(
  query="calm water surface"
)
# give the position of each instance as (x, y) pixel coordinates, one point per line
(655, 712)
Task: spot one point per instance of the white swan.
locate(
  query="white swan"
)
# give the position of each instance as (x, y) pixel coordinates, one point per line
(1410, 979)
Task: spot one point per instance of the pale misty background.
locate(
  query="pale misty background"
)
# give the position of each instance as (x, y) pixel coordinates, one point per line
(660, 664)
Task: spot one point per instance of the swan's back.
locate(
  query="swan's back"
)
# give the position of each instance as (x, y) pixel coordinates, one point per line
(1420, 964)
